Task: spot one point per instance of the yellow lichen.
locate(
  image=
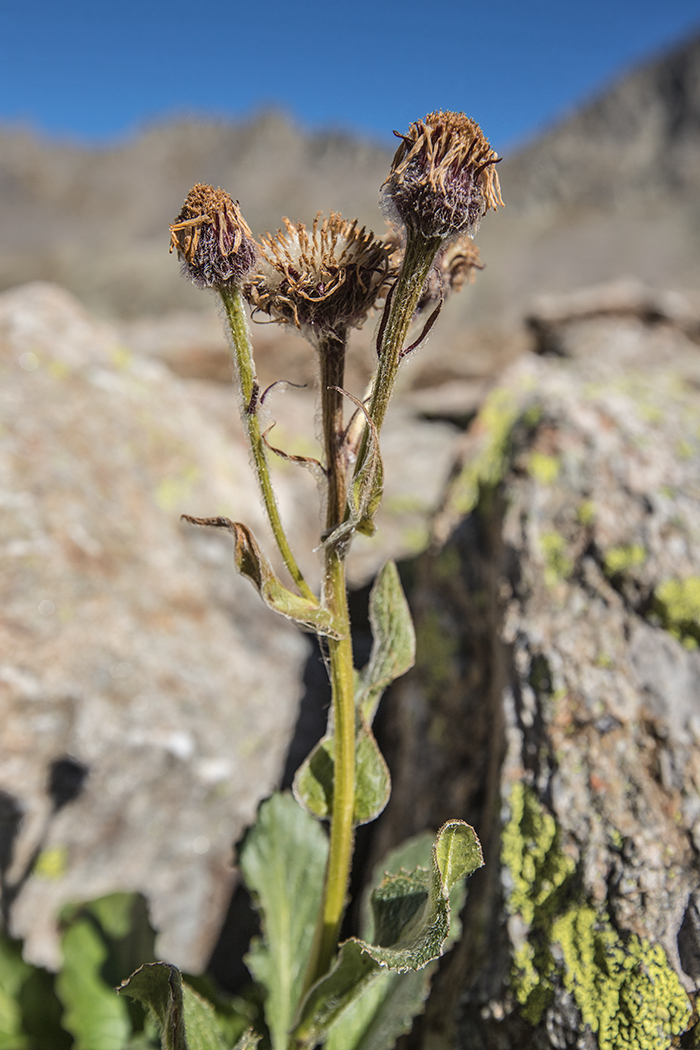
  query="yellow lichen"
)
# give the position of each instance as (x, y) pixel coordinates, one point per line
(52, 863)
(543, 468)
(624, 987)
(677, 604)
(586, 512)
(558, 564)
(619, 560)
(493, 426)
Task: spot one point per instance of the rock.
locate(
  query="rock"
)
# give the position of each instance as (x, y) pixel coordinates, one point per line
(138, 674)
(555, 702)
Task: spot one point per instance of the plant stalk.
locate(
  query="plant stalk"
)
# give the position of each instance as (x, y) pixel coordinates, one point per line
(245, 368)
(418, 258)
(332, 356)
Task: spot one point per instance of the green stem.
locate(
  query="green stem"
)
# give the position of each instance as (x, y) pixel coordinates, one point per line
(332, 357)
(418, 258)
(245, 368)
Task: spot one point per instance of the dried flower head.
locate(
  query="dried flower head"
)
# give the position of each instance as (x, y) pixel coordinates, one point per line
(320, 279)
(442, 179)
(212, 238)
(455, 266)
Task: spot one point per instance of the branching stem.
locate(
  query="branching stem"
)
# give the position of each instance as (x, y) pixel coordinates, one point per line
(243, 356)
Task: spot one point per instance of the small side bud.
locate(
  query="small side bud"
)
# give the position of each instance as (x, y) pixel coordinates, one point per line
(455, 266)
(320, 279)
(212, 239)
(442, 179)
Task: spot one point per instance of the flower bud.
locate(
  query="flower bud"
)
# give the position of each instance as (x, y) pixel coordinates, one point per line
(455, 266)
(322, 279)
(212, 239)
(442, 179)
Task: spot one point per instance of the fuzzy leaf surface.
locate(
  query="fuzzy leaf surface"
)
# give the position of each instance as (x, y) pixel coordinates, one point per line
(379, 987)
(185, 1020)
(393, 640)
(365, 490)
(255, 566)
(283, 860)
(313, 783)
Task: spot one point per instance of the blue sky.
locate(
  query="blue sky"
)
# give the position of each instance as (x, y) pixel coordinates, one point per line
(95, 71)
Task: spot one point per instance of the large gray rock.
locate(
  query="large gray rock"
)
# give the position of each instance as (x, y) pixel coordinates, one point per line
(555, 703)
(127, 642)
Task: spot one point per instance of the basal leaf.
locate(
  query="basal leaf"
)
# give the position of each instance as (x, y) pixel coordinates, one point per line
(394, 640)
(186, 1021)
(94, 1016)
(13, 973)
(313, 783)
(353, 972)
(374, 990)
(255, 566)
(383, 1011)
(283, 861)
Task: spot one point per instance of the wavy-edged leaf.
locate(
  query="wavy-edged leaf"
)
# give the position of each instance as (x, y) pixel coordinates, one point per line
(283, 860)
(255, 566)
(411, 926)
(393, 640)
(411, 910)
(186, 1021)
(313, 782)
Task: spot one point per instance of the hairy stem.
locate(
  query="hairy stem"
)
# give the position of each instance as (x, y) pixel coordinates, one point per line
(332, 351)
(418, 258)
(245, 368)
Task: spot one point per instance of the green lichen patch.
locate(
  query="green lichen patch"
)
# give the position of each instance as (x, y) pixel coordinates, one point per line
(624, 987)
(543, 468)
(626, 991)
(677, 605)
(621, 560)
(539, 872)
(494, 425)
(586, 512)
(558, 564)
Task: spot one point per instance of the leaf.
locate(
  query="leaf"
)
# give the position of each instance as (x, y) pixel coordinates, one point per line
(186, 1020)
(313, 782)
(353, 972)
(394, 641)
(283, 860)
(248, 1041)
(13, 973)
(411, 918)
(364, 491)
(93, 1014)
(384, 1011)
(255, 566)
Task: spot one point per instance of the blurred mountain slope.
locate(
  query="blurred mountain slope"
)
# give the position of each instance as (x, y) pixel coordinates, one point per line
(611, 191)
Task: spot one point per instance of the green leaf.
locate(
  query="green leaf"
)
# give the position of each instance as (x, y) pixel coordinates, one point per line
(313, 782)
(353, 972)
(411, 921)
(384, 1011)
(365, 490)
(283, 860)
(13, 973)
(186, 1020)
(93, 1014)
(255, 566)
(394, 641)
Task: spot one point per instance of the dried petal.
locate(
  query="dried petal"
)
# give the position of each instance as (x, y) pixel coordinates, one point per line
(442, 179)
(321, 279)
(212, 238)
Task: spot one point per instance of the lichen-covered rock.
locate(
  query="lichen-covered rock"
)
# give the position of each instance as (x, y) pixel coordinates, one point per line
(147, 697)
(555, 703)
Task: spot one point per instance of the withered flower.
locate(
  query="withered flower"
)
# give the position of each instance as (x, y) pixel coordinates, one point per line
(454, 267)
(442, 179)
(212, 239)
(320, 280)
